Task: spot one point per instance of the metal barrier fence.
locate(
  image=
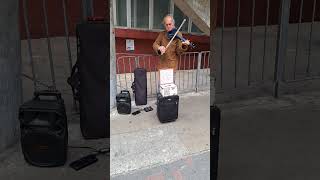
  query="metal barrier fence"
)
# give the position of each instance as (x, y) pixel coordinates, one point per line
(87, 10)
(305, 43)
(193, 73)
(54, 66)
(260, 48)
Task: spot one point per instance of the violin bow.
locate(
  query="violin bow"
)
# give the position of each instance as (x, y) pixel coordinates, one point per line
(184, 20)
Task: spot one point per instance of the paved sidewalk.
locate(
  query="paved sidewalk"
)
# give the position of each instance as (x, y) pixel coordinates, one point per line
(195, 167)
(261, 139)
(271, 139)
(142, 142)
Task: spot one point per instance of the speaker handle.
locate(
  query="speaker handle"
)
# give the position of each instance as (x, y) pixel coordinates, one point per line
(124, 91)
(55, 93)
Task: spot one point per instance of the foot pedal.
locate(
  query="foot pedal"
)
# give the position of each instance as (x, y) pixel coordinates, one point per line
(83, 162)
(147, 109)
(136, 112)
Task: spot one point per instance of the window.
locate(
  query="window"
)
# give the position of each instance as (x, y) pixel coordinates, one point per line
(148, 14)
(178, 17)
(121, 12)
(195, 29)
(160, 8)
(140, 13)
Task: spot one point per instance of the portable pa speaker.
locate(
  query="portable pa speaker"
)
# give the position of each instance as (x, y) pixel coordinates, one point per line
(44, 132)
(93, 43)
(124, 102)
(167, 108)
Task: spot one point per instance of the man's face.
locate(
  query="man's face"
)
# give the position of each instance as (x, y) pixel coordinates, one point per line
(168, 24)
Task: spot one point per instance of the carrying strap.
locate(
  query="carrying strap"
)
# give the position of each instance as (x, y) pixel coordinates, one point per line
(133, 87)
(74, 81)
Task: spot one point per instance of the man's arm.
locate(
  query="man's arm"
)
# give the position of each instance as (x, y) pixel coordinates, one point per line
(157, 43)
(181, 46)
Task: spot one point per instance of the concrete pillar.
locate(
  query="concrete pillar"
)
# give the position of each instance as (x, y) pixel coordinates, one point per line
(113, 77)
(10, 69)
(213, 19)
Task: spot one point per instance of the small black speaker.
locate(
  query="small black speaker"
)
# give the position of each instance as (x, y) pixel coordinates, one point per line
(124, 102)
(44, 133)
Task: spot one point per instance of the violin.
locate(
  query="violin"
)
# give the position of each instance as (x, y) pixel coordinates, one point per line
(171, 34)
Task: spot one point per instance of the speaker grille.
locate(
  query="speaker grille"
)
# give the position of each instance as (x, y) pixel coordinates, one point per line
(44, 132)
(43, 149)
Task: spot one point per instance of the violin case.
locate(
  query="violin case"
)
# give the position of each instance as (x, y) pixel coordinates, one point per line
(139, 86)
(93, 53)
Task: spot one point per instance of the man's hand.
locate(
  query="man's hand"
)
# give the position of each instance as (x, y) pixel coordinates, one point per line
(162, 49)
(186, 42)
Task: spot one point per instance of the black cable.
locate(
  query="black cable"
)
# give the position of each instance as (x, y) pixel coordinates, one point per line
(102, 151)
(83, 147)
(95, 151)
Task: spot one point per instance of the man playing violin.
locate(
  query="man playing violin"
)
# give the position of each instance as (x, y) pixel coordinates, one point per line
(169, 57)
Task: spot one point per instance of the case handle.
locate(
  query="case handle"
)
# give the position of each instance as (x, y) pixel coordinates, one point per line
(51, 93)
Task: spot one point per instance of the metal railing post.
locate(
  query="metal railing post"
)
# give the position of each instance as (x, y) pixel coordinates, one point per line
(198, 70)
(136, 60)
(113, 61)
(28, 36)
(45, 14)
(281, 45)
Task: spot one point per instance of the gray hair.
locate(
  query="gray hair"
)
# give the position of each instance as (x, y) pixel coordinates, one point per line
(168, 15)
